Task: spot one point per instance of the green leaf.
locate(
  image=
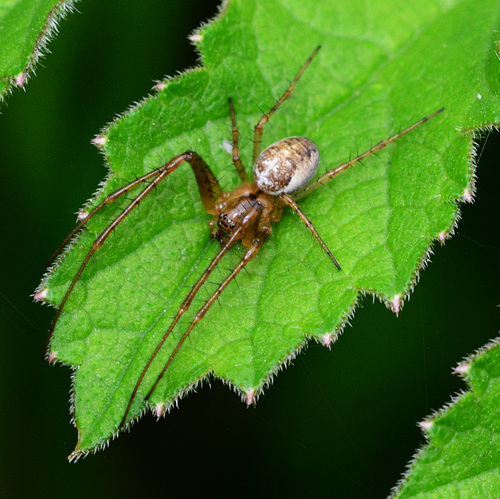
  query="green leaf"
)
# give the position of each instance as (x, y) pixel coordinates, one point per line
(382, 68)
(25, 29)
(466, 434)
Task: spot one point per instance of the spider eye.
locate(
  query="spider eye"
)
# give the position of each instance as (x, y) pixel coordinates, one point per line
(286, 166)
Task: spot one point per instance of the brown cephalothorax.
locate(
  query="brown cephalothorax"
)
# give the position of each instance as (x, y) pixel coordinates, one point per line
(282, 173)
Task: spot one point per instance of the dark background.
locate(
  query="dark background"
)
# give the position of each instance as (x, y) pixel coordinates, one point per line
(340, 423)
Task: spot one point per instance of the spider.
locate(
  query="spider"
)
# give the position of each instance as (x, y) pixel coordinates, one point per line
(281, 176)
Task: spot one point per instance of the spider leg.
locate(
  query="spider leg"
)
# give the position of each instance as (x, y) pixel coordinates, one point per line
(291, 202)
(257, 134)
(236, 149)
(344, 166)
(250, 253)
(107, 200)
(208, 186)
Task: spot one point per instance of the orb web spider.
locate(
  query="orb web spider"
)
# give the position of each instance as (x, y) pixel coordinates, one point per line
(281, 173)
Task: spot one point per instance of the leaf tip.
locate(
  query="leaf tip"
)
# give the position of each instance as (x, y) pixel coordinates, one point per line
(396, 304)
(468, 196)
(52, 357)
(20, 79)
(195, 38)
(426, 425)
(327, 340)
(75, 455)
(462, 369)
(41, 295)
(443, 235)
(250, 397)
(100, 140)
(160, 410)
(161, 85)
(82, 215)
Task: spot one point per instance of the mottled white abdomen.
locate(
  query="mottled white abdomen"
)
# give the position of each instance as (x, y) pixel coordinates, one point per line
(286, 166)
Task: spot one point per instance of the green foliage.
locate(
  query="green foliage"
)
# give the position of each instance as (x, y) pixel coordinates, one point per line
(25, 26)
(378, 72)
(467, 434)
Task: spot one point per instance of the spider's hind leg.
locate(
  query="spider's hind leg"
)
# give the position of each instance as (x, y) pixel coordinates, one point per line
(248, 221)
(360, 157)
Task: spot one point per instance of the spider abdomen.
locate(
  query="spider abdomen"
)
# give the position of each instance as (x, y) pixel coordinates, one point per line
(286, 166)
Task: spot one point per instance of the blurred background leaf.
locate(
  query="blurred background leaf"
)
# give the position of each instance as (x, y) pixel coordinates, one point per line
(463, 455)
(26, 26)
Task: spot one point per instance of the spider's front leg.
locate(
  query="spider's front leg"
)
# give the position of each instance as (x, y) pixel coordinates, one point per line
(208, 186)
(259, 127)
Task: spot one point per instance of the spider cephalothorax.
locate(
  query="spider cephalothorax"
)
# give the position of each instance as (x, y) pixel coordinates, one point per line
(283, 167)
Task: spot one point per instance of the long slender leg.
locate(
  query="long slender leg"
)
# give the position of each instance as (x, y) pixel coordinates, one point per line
(236, 148)
(183, 308)
(257, 134)
(249, 219)
(249, 255)
(207, 184)
(291, 202)
(344, 166)
(107, 200)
